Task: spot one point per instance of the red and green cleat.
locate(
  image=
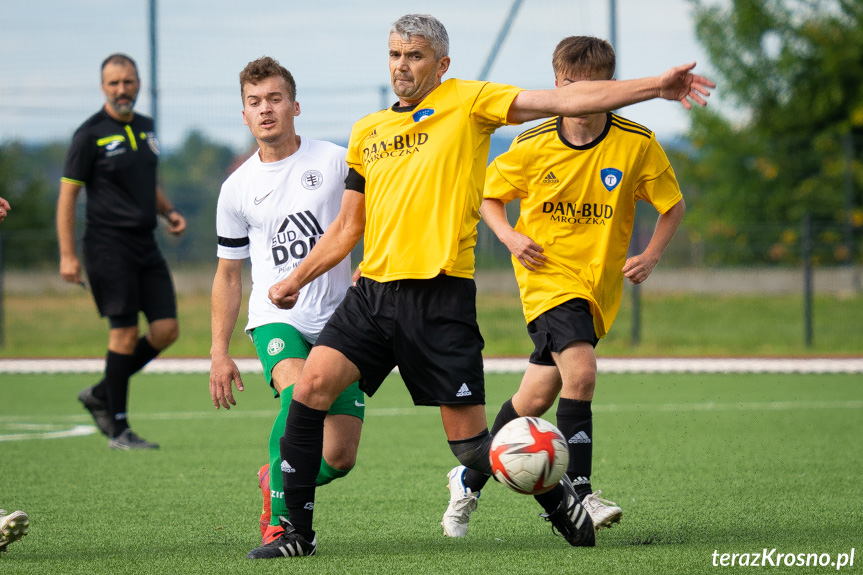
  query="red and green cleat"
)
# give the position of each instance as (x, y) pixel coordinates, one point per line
(264, 484)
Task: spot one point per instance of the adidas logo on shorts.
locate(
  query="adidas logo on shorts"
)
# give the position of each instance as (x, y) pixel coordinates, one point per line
(463, 391)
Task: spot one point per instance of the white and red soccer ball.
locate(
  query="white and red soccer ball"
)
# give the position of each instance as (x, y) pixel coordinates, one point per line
(529, 455)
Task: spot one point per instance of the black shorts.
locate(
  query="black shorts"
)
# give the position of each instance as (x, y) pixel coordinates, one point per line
(425, 327)
(560, 326)
(127, 275)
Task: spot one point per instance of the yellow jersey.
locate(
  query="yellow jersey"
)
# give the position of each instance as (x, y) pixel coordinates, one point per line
(424, 168)
(578, 203)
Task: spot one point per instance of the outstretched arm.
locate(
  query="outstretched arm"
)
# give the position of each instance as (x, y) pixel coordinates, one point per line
(334, 246)
(638, 268)
(580, 98)
(526, 251)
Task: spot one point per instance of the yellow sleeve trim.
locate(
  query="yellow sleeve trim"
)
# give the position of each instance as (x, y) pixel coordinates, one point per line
(71, 181)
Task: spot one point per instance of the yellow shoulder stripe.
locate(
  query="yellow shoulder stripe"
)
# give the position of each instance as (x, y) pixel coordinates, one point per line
(108, 139)
(132, 138)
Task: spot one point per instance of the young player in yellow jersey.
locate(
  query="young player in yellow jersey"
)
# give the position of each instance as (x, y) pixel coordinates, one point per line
(413, 192)
(578, 179)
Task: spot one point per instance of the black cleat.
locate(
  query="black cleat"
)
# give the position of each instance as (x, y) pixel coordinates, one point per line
(129, 440)
(289, 544)
(98, 409)
(571, 519)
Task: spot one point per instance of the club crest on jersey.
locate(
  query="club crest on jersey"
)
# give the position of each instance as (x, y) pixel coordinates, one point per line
(610, 177)
(312, 180)
(152, 142)
(422, 114)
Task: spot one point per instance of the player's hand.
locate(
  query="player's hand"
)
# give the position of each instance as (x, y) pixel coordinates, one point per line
(357, 275)
(176, 223)
(637, 268)
(682, 85)
(224, 372)
(4, 209)
(70, 269)
(284, 294)
(526, 251)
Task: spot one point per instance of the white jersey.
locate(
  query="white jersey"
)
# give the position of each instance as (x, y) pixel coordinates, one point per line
(275, 213)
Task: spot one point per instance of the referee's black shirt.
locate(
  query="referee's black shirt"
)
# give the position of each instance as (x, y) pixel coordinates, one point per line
(116, 162)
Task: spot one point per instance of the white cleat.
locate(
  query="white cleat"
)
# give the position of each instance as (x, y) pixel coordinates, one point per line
(604, 513)
(12, 527)
(462, 502)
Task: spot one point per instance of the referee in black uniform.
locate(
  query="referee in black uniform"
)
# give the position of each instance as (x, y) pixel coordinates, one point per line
(114, 154)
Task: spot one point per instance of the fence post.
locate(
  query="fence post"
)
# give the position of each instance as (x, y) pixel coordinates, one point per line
(807, 279)
(848, 207)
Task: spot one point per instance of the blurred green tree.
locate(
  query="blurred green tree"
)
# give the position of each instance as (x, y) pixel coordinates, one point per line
(792, 72)
(26, 181)
(192, 176)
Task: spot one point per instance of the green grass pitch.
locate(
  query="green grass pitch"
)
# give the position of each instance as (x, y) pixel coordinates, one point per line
(699, 464)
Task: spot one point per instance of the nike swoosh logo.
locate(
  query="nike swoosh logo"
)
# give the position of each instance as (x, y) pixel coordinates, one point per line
(358, 404)
(259, 200)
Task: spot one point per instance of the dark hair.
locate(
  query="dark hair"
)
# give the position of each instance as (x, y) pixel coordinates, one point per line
(121, 59)
(584, 56)
(266, 67)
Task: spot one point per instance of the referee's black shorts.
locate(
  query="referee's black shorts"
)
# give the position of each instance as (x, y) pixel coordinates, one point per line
(127, 275)
(425, 327)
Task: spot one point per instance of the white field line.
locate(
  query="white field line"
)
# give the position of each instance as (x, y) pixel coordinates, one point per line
(26, 426)
(45, 431)
(492, 365)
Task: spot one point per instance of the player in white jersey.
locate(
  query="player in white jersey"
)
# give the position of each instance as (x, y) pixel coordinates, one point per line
(273, 209)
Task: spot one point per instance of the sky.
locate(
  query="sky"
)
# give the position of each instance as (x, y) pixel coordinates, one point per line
(50, 52)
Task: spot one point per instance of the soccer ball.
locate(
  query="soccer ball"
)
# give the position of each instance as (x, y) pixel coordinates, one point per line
(529, 455)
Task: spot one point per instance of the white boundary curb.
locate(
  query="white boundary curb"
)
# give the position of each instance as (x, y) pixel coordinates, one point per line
(492, 365)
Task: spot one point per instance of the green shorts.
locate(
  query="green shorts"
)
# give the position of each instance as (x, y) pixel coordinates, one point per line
(277, 341)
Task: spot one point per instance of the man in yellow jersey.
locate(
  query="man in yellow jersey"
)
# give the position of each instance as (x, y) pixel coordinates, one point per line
(578, 179)
(413, 190)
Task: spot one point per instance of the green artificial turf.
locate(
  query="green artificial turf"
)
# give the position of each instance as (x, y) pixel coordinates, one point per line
(700, 464)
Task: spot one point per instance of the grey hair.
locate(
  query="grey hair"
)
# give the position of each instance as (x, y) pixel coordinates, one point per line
(426, 26)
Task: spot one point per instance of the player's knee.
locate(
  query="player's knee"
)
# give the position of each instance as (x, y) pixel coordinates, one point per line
(343, 459)
(123, 340)
(533, 405)
(316, 391)
(580, 388)
(164, 332)
(473, 452)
